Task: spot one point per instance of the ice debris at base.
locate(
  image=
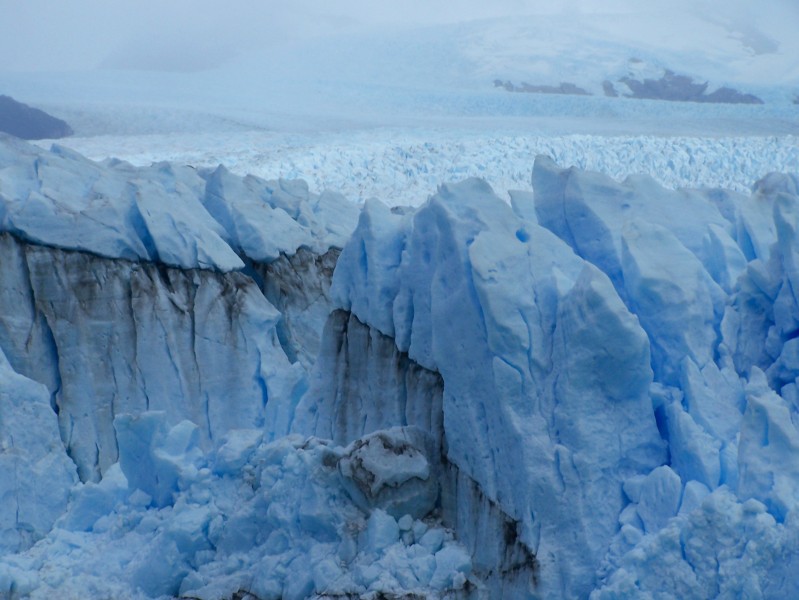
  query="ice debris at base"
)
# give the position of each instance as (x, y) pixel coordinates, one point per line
(269, 519)
(594, 385)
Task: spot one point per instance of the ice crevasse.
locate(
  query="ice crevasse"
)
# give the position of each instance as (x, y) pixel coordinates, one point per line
(589, 391)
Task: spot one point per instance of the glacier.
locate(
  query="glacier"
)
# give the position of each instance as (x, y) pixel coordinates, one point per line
(403, 166)
(220, 386)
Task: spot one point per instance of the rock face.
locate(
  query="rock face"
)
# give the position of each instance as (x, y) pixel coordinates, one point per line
(28, 123)
(670, 87)
(564, 88)
(682, 88)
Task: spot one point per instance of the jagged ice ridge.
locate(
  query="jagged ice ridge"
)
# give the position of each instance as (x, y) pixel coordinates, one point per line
(589, 391)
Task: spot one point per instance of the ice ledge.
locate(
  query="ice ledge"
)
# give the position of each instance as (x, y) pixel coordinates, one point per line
(164, 213)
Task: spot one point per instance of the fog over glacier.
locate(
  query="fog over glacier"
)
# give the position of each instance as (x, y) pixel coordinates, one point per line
(456, 300)
(185, 34)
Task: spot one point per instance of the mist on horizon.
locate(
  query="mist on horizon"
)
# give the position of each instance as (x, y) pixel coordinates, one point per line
(194, 35)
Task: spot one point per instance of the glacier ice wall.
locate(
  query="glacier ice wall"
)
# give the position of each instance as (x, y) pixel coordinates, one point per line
(125, 289)
(160, 324)
(35, 474)
(545, 372)
(110, 337)
(617, 372)
(590, 391)
(377, 387)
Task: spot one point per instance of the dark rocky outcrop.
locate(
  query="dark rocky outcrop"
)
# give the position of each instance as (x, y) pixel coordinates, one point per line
(610, 91)
(564, 88)
(28, 123)
(672, 87)
(681, 88)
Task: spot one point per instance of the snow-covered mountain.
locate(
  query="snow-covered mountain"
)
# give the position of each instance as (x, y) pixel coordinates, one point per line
(588, 391)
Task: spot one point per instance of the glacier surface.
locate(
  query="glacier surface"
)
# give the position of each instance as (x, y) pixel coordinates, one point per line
(403, 166)
(588, 391)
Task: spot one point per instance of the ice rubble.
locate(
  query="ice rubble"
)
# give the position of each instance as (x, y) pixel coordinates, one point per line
(594, 387)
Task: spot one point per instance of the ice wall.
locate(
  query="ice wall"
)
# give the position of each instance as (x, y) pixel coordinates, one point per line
(594, 387)
(617, 375)
(708, 274)
(125, 289)
(36, 476)
(377, 387)
(546, 374)
(110, 337)
(158, 351)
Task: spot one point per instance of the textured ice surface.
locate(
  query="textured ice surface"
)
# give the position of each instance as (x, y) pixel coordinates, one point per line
(594, 384)
(108, 337)
(639, 369)
(35, 472)
(163, 386)
(269, 519)
(162, 213)
(535, 349)
(406, 166)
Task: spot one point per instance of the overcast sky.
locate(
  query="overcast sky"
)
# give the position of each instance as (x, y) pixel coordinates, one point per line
(193, 34)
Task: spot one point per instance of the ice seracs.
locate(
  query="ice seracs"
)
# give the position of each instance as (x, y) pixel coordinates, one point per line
(590, 391)
(622, 357)
(534, 348)
(165, 371)
(124, 263)
(163, 213)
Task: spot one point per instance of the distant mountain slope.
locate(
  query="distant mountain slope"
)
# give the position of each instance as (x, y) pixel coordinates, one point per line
(436, 74)
(28, 123)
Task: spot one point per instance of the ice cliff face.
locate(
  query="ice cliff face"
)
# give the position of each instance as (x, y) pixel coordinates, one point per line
(545, 396)
(121, 293)
(615, 368)
(159, 325)
(110, 337)
(590, 391)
